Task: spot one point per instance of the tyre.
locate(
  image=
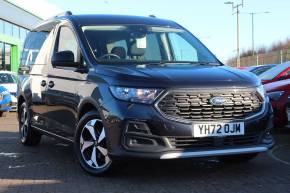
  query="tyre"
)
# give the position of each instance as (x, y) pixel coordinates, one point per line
(1, 113)
(238, 158)
(91, 146)
(28, 136)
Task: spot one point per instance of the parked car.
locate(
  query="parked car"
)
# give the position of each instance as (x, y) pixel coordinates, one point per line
(279, 72)
(9, 81)
(5, 100)
(258, 70)
(288, 110)
(279, 93)
(139, 87)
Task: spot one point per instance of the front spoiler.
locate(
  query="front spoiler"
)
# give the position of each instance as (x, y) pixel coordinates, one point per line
(212, 153)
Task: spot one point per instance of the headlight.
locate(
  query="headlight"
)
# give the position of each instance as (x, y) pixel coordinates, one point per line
(261, 91)
(139, 95)
(2, 94)
(275, 96)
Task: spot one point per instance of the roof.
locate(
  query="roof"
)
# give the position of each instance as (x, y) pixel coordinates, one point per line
(120, 19)
(97, 19)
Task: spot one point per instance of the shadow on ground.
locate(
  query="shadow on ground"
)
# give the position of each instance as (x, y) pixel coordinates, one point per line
(51, 167)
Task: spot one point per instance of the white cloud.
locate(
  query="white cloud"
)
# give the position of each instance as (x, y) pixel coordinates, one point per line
(40, 8)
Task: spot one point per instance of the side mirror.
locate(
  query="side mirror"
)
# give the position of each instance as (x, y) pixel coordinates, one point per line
(23, 70)
(64, 59)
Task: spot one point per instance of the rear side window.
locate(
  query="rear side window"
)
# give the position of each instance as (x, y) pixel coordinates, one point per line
(32, 46)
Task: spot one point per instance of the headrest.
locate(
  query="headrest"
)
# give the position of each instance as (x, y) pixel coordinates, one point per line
(120, 51)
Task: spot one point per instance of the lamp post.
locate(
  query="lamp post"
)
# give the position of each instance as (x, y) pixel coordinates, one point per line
(253, 27)
(236, 7)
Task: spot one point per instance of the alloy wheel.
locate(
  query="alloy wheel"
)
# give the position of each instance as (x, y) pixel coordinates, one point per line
(93, 146)
(23, 124)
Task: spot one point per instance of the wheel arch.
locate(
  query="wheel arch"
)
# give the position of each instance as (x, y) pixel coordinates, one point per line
(87, 105)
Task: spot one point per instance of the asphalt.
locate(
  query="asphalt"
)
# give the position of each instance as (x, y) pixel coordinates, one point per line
(51, 167)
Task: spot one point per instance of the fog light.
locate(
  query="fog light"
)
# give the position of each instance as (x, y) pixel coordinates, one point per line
(268, 138)
(140, 141)
(137, 127)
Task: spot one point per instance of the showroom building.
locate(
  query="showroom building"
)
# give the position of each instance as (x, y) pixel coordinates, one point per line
(15, 23)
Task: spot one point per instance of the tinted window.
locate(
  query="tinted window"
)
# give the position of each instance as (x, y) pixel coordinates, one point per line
(7, 78)
(33, 44)
(273, 72)
(260, 70)
(67, 42)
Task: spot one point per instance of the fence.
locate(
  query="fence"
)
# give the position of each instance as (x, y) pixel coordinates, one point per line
(275, 57)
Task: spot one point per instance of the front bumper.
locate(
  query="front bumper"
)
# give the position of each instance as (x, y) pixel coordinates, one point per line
(5, 104)
(155, 134)
(13, 103)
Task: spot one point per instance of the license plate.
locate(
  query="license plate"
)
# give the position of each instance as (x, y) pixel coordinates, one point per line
(218, 129)
(288, 114)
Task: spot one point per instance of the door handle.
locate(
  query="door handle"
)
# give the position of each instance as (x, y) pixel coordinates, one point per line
(51, 84)
(43, 83)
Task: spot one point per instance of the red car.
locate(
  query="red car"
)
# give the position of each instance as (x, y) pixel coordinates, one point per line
(279, 72)
(279, 92)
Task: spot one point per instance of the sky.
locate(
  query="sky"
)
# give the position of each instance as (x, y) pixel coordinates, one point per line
(209, 20)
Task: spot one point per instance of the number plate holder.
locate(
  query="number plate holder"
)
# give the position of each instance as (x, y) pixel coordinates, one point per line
(218, 129)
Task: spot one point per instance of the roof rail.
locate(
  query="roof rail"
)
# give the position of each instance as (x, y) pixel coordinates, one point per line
(153, 16)
(66, 13)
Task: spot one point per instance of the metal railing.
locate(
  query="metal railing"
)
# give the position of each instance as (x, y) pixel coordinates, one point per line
(274, 57)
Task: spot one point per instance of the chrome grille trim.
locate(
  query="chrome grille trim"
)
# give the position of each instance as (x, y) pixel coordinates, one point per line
(214, 90)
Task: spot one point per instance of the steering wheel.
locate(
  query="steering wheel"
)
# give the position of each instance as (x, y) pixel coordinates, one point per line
(109, 56)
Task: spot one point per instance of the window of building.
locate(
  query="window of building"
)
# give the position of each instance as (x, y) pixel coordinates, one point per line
(2, 62)
(7, 57)
(1, 26)
(8, 28)
(16, 31)
(22, 35)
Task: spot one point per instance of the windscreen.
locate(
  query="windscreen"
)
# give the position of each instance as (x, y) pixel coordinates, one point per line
(273, 72)
(140, 43)
(7, 78)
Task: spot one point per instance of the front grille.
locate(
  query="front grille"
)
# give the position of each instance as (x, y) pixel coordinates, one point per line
(214, 142)
(192, 105)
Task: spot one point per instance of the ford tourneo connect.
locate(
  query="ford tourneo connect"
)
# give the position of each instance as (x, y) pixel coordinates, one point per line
(136, 87)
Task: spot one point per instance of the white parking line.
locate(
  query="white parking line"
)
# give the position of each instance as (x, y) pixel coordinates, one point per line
(9, 138)
(271, 154)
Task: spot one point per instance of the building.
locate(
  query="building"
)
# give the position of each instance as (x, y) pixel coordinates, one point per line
(17, 18)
